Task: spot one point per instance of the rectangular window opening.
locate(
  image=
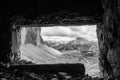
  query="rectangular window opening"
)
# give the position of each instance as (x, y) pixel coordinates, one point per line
(58, 44)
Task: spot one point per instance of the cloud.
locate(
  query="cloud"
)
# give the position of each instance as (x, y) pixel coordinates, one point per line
(86, 31)
(58, 31)
(83, 29)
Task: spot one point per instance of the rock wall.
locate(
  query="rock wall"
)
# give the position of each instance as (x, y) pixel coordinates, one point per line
(5, 38)
(109, 40)
(31, 35)
(15, 44)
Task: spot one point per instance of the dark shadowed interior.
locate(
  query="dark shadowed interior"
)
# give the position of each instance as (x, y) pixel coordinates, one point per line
(105, 14)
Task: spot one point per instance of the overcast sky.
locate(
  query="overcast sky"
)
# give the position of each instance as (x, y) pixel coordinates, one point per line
(67, 33)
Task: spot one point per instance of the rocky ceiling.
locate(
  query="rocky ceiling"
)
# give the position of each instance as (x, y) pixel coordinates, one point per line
(35, 8)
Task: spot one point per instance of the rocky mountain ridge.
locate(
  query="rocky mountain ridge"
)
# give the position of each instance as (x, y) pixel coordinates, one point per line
(79, 43)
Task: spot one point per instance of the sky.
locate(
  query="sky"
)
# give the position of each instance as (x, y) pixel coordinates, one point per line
(67, 33)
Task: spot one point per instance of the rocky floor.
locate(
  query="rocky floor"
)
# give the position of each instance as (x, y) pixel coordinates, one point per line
(6, 74)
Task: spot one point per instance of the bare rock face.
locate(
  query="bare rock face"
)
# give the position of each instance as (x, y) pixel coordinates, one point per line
(109, 40)
(31, 35)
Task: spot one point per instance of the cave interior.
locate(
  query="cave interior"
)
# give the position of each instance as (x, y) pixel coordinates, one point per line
(103, 13)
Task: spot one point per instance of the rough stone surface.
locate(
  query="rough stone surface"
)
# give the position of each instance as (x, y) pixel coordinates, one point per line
(109, 40)
(60, 18)
(33, 36)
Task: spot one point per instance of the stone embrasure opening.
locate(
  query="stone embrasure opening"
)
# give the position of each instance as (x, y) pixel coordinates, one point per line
(55, 45)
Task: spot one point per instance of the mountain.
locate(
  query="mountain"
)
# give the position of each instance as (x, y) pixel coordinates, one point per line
(79, 43)
(79, 40)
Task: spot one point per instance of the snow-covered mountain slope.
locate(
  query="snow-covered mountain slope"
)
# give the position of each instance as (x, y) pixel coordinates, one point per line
(38, 55)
